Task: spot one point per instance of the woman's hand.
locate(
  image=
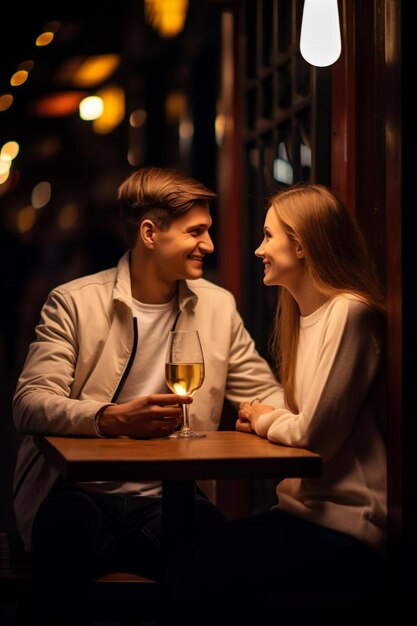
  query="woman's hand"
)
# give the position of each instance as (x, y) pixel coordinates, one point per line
(144, 417)
(249, 413)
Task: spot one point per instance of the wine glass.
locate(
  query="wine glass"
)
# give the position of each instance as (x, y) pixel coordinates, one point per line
(184, 372)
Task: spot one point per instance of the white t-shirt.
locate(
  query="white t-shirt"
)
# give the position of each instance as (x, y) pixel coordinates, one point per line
(147, 375)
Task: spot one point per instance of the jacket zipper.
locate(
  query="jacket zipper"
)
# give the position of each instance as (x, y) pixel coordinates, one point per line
(130, 362)
(114, 398)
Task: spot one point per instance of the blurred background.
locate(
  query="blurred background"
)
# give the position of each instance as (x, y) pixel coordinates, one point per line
(148, 67)
(90, 91)
(153, 70)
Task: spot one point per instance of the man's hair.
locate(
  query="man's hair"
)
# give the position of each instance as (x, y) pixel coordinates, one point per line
(159, 194)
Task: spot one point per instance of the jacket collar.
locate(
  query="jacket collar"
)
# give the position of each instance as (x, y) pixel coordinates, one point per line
(123, 292)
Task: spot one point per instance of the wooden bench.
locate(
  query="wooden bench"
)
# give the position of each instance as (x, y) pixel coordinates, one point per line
(118, 596)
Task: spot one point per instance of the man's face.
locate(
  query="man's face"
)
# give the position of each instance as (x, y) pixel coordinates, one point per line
(179, 251)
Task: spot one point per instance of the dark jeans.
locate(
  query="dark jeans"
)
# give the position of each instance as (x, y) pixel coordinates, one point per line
(78, 535)
(263, 569)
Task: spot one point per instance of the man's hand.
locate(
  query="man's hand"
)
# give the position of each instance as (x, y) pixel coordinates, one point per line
(145, 417)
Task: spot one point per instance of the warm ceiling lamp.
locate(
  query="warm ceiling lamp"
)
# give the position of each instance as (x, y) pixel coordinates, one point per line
(320, 42)
(19, 78)
(113, 98)
(9, 151)
(6, 101)
(91, 108)
(44, 39)
(59, 104)
(85, 72)
(166, 16)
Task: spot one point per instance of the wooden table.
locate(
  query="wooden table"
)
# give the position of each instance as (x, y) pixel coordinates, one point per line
(178, 463)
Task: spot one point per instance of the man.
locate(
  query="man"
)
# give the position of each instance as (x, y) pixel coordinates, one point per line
(96, 369)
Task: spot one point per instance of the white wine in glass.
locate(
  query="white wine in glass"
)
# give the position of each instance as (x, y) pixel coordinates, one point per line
(184, 371)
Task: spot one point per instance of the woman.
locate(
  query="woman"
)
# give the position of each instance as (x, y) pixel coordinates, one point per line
(327, 340)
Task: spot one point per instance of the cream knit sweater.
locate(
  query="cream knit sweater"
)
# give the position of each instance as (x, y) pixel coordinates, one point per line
(338, 392)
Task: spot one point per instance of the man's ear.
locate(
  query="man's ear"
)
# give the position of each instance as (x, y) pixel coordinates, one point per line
(147, 231)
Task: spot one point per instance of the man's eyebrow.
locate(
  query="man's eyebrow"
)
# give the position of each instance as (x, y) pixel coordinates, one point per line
(195, 226)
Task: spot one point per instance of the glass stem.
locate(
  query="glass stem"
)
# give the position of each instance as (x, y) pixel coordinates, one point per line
(186, 413)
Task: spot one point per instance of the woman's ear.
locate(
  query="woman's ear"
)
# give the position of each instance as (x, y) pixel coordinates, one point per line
(147, 233)
(299, 250)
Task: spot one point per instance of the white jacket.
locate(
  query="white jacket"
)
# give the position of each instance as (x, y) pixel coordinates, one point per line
(85, 344)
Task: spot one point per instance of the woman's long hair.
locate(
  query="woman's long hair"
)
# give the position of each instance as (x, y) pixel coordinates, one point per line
(336, 260)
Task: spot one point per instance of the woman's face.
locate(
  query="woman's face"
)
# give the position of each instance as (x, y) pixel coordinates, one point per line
(281, 255)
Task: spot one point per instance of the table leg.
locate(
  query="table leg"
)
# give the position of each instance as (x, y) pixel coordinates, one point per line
(178, 507)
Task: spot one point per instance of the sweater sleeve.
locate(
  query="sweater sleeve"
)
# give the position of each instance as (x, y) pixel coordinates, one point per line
(347, 363)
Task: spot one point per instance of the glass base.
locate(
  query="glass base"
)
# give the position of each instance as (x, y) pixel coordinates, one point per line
(186, 433)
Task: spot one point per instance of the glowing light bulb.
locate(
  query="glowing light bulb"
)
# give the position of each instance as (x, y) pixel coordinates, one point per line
(91, 108)
(320, 42)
